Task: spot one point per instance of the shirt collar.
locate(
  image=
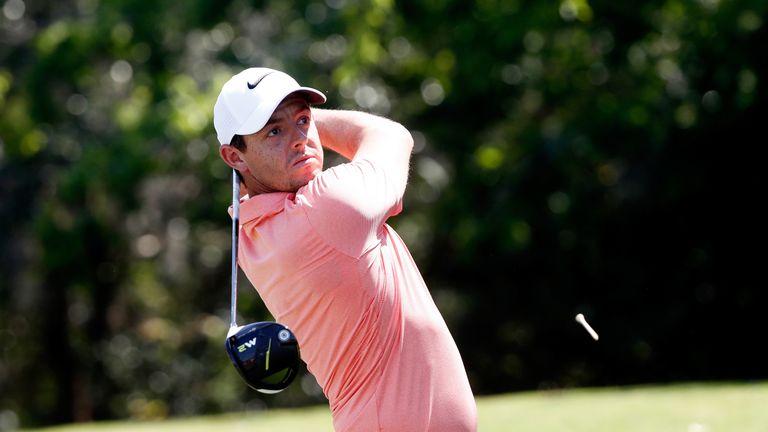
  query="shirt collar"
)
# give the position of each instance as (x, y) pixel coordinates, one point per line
(261, 207)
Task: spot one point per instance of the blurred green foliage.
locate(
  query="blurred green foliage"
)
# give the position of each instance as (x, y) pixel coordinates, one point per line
(574, 156)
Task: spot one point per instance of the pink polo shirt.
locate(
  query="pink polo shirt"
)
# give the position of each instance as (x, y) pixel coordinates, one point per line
(327, 266)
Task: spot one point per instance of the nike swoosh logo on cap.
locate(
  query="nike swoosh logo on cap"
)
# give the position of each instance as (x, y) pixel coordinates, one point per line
(252, 86)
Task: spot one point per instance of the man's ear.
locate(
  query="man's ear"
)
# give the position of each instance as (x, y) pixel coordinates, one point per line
(233, 157)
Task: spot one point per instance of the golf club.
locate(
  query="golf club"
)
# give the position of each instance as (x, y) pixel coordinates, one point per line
(265, 354)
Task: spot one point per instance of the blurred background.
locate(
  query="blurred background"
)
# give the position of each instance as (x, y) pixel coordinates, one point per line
(576, 156)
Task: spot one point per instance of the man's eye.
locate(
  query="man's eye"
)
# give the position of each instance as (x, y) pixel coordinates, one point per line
(273, 132)
(303, 120)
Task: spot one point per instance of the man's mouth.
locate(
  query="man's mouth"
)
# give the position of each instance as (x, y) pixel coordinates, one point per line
(304, 159)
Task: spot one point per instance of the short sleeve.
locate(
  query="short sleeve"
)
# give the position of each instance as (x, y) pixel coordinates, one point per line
(348, 205)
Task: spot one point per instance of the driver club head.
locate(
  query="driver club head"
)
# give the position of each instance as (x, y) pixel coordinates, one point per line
(265, 354)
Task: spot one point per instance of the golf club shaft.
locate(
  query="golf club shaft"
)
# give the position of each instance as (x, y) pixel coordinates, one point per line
(235, 235)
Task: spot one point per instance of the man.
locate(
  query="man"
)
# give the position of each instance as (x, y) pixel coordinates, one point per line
(316, 246)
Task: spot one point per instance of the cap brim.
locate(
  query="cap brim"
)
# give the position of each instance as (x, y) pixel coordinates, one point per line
(314, 97)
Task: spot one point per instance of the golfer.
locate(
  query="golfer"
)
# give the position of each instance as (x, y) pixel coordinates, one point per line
(316, 246)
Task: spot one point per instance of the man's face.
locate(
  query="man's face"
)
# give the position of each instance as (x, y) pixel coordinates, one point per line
(286, 153)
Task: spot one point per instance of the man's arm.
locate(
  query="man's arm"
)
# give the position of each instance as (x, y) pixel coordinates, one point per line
(358, 197)
(358, 135)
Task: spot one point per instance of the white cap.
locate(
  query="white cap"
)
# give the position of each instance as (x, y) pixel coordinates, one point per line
(248, 99)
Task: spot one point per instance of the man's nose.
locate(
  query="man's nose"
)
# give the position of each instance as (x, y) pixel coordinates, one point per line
(299, 137)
